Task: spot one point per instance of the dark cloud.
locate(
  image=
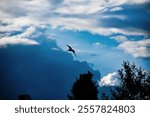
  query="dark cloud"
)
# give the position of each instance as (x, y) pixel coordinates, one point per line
(136, 16)
(39, 71)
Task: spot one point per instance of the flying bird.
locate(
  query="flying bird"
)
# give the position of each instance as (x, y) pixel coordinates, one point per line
(71, 50)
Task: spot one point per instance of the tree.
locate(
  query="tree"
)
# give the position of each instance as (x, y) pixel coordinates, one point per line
(24, 97)
(147, 87)
(84, 88)
(104, 96)
(134, 83)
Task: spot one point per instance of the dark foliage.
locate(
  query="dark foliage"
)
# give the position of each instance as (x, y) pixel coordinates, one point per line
(147, 87)
(24, 97)
(84, 88)
(104, 96)
(134, 84)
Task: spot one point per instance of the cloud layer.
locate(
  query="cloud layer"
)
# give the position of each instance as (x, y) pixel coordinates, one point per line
(4, 42)
(74, 15)
(108, 18)
(137, 48)
(42, 70)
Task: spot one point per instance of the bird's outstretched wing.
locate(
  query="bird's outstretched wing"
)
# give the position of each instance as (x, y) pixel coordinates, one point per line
(69, 47)
(74, 53)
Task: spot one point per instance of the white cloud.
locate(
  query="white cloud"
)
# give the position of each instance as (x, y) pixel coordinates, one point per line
(91, 25)
(80, 7)
(13, 41)
(120, 38)
(79, 15)
(137, 1)
(28, 32)
(22, 38)
(116, 9)
(16, 24)
(110, 80)
(56, 49)
(15, 8)
(137, 48)
(121, 17)
(96, 44)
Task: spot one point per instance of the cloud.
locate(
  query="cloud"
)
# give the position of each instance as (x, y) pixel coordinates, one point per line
(73, 14)
(93, 16)
(96, 44)
(137, 48)
(137, 1)
(28, 32)
(15, 8)
(17, 24)
(14, 41)
(41, 71)
(56, 49)
(123, 2)
(110, 80)
(22, 38)
(92, 26)
(120, 38)
(79, 7)
(120, 17)
(116, 9)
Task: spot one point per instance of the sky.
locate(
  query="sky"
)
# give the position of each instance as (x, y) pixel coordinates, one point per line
(103, 33)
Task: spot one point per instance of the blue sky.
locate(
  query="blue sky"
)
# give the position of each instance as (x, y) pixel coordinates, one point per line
(103, 32)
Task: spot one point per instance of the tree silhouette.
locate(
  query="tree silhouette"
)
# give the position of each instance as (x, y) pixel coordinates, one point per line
(134, 83)
(84, 88)
(24, 97)
(147, 87)
(104, 96)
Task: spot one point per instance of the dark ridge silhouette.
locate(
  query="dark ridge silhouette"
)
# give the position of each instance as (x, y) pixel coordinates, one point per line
(84, 88)
(71, 50)
(134, 84)
(24, 97)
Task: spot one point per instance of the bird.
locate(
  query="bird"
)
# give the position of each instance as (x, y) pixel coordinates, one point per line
(71, 50)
